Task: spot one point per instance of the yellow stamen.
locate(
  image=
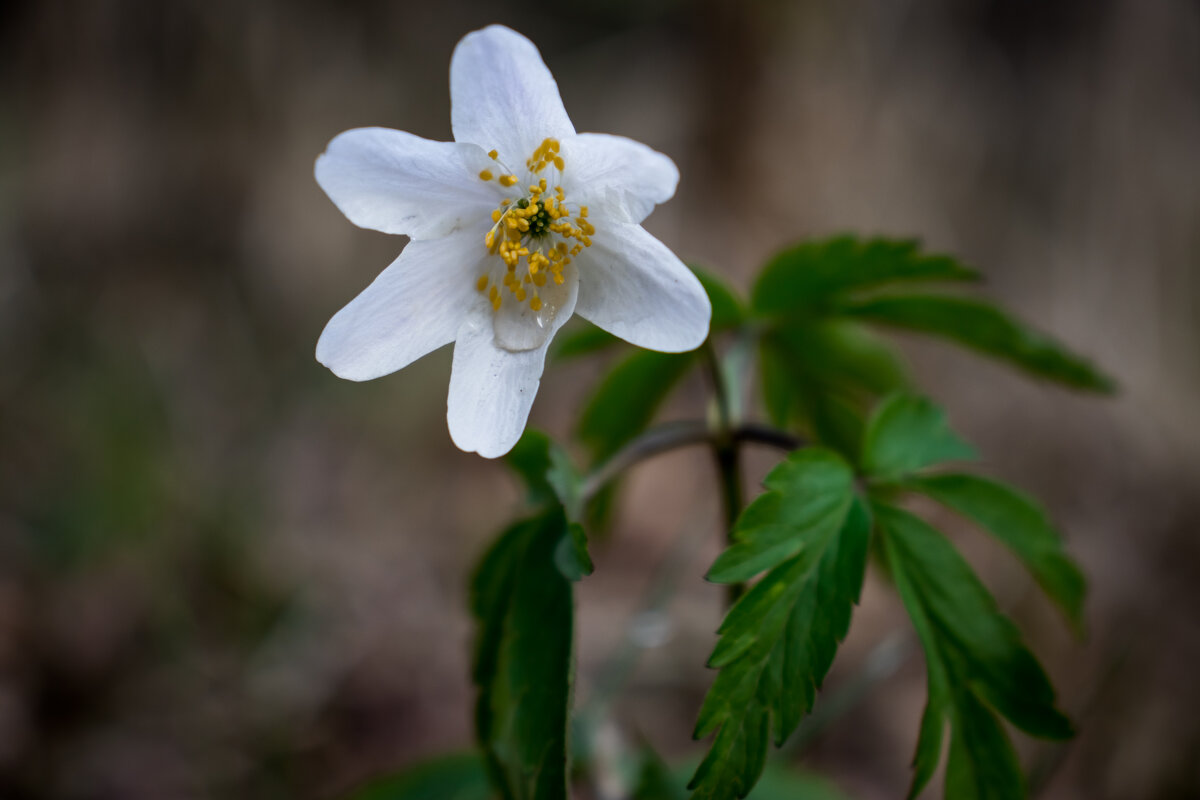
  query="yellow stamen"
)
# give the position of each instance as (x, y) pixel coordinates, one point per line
(530, 258)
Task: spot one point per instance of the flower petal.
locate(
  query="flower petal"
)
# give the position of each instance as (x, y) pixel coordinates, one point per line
(396, 182)
(502, 96)
(415, 306)
(632, 286)
(492, 389)
(627, 177)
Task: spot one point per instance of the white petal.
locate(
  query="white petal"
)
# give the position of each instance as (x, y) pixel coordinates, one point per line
(502, 96)
(624, 175)
(492, 389)
(415, 306)
(632, 286)
(395, 182)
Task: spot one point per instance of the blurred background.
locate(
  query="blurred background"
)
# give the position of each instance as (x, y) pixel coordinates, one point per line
(224, 573)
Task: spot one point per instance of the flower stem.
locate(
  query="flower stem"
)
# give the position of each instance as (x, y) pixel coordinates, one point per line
(727, 456)
(674, 435)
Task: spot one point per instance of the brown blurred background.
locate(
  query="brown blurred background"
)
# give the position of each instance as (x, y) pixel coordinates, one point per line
(224, 573)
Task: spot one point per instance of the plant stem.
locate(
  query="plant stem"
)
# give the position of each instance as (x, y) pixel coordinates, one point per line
(727, 456)
(674, 435)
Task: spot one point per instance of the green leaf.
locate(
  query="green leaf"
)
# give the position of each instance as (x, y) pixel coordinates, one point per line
(824, 374)
(780, 783)
(727, 309)
(523, 659)
(581, 339)
(531, 459)
(571, 556)
(982, 762)
(977, 663)
(625, 402)
(907, 433)
(806, 500)
(808, 276)
(777, 644)
(1021, 524)
(841, 354)
(983, 327)
(461, 776)
(656, 781)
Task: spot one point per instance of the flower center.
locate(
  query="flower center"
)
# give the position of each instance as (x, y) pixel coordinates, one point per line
(536, 233)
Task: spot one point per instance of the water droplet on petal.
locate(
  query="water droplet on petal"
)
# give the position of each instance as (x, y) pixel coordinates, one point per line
(519, 328)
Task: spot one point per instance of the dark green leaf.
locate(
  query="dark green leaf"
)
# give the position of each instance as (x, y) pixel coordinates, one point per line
(530, 458)
(462, 776)
(985, 328)
(625, 402)
(823, 375)
(524, 610)
(1017, 521)
(777, 644)
(571, 556)
(974, 656)
(779, 393)
(727, 310)
(982, 762)
(779, 783)
(842, 355)
(582, 339)
(809, 275)
(806, 500)
(656, 781)
(907, 433)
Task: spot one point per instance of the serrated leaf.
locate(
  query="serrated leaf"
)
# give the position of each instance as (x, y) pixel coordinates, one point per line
(810, 275)
(907, 433)
(523, 659)
(974, 655)
(986, 329)
(626, 400)
(806, 501)
(727, 309)
(460, 776)
(1021, 524)
(777, 644)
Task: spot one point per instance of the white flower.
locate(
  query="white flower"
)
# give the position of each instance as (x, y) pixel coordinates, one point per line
(517, 224)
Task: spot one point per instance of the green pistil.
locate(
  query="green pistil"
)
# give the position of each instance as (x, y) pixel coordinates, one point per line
(539, 223)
